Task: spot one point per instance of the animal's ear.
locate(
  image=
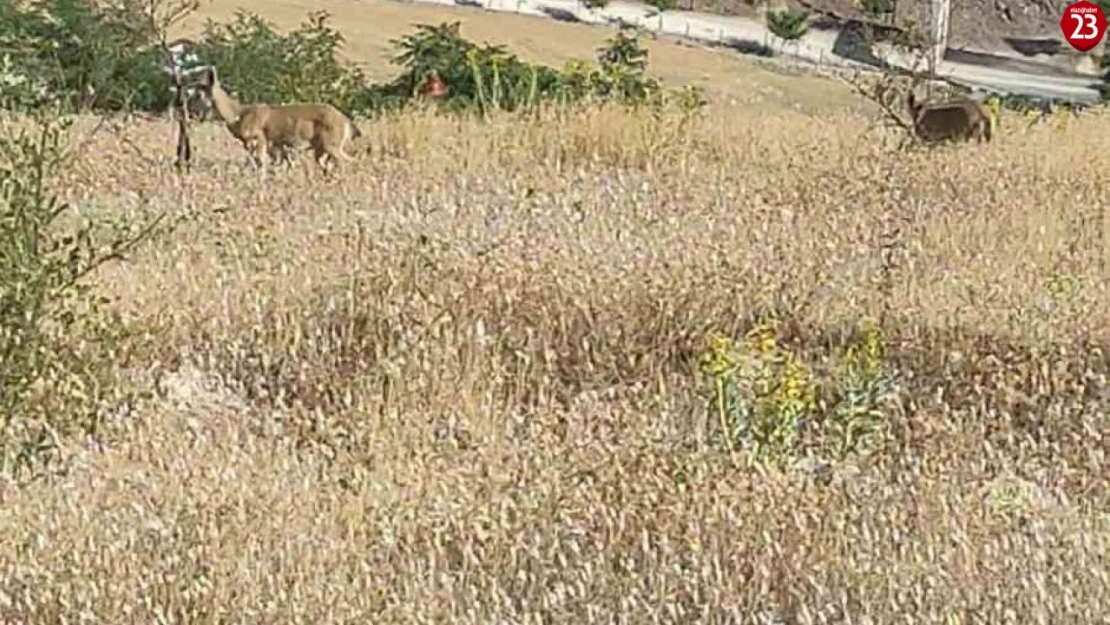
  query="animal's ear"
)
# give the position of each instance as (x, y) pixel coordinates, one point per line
(211, 79)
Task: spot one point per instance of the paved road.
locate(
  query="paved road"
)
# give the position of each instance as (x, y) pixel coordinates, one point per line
(816, 46)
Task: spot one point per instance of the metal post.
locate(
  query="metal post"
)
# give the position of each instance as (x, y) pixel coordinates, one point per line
(938, 33)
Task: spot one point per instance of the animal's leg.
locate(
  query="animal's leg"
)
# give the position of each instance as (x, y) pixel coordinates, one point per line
(339, 154)
(977, 131)
(259, 151)
(322, 156)
(327, 151)
(335, 154)
(279, 156)
(286, 153)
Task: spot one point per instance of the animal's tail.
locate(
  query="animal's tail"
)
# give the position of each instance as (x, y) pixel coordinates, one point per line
(355, 131)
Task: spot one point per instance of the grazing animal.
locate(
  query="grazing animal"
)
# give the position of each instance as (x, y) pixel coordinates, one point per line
(959, 120)
(274, 130)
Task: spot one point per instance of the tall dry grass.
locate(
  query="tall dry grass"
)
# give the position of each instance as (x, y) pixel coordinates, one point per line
(457, 384)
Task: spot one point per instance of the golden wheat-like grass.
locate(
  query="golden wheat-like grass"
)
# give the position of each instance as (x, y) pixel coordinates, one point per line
(456, 384)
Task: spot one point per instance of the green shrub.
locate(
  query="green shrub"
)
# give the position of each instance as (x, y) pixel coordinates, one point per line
(761, 393)
(765, 400)
(480, 77)
(86, 54)
(865, 386)
(261, 65)
(490, 77)
(877, 9)
(662, 5)
(18, 90)
(106, 57)
(788, 24)
(58, 350)
(623, 75)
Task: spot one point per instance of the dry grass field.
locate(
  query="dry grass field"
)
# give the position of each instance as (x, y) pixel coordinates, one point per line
(458, 383)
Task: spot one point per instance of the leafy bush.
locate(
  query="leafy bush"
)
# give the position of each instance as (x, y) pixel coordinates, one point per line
(877, 9)
(18, 90)
(490, 77)
(260, 64)
(87, 55)
(865, 386)
(788, 24)
(764, 399)
(624, 71)
(107, 57)
(57, 348)
(662, 5)
(481, 77)
(761, 393)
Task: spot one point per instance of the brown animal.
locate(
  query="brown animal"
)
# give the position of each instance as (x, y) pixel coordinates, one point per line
(960, 120)
(275, 130)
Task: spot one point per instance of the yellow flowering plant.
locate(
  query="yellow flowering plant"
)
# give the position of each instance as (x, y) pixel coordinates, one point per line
(865, 385)
(762, 392)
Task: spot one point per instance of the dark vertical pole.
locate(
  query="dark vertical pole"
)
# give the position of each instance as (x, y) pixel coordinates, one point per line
(181, 106)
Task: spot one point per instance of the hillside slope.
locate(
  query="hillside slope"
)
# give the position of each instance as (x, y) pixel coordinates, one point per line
(974, 24)
(369, 25)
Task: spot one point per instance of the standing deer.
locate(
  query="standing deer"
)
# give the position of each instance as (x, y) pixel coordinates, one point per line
(271, 130)
(963, 119)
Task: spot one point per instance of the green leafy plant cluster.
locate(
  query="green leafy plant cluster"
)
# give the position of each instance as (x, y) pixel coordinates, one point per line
(262, 65)
(877, 9)
(58, 348)
(864, 386)
(490, 77)
(662, 5)
(788, 24)
(765, 400)
(761, 392)
(83, 54)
